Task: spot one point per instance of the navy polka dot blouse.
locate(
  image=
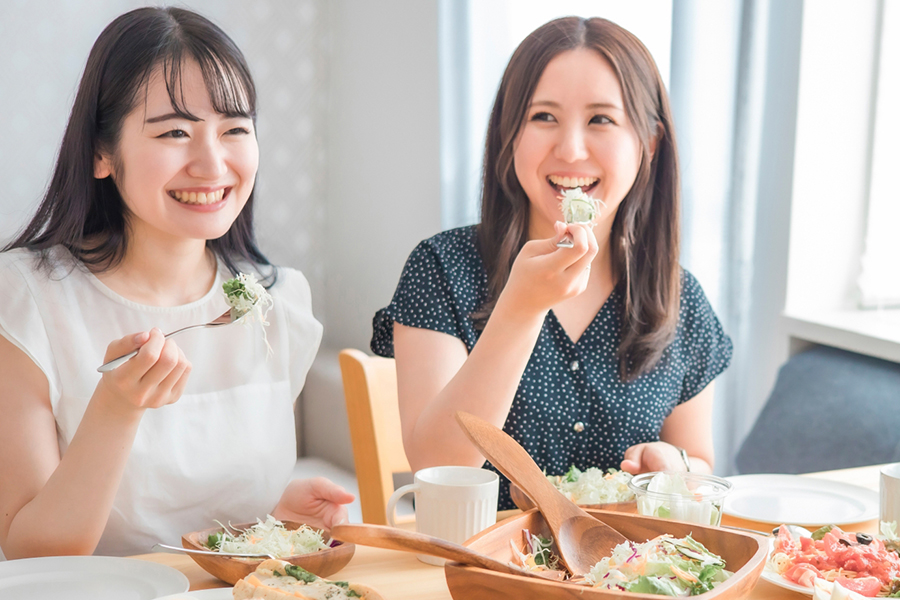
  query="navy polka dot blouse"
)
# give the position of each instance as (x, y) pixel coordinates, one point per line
(571, 408)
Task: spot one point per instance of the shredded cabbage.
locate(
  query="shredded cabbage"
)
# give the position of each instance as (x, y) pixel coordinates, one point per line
(249, 301)
(271, 537)
(664, 565)
(578, 207)
(594, 486)
(670, 498)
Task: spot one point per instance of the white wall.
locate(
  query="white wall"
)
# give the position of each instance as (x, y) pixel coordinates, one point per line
(383, 184)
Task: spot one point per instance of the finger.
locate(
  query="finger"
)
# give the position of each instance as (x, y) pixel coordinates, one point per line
(632, 458)
(125, 345)
(327, 490)
(171, 388)
(166, 361)
(586, 245)
(338, 516)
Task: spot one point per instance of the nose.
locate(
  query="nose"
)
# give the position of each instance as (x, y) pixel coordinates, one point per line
(571, 146)
(208, 160)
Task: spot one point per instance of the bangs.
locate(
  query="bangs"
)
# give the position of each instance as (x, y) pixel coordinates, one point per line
(229, 85)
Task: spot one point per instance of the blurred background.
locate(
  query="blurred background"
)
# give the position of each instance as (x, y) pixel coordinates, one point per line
(372, 115)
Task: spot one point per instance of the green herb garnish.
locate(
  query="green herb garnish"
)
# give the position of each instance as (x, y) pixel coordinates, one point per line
(300, 573)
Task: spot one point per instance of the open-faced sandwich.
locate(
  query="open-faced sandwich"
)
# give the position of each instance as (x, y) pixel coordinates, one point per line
(280, 580)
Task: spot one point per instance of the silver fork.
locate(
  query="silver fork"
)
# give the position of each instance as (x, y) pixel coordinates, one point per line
(211, 552)
(224, 319)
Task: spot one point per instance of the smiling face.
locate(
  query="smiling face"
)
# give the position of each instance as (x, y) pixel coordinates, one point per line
(576, 134)
(182, 178)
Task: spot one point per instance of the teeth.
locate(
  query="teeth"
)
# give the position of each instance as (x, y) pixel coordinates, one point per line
(199, 197)
(572, 182)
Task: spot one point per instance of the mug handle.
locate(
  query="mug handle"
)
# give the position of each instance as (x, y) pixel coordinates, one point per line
(392, 503)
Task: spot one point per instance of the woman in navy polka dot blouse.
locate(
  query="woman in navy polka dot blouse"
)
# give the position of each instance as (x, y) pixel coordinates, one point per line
(602, 354)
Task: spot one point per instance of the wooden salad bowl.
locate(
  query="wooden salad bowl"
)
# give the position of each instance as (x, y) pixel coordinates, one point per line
(523, 502)
(744, 554)
(229, 569)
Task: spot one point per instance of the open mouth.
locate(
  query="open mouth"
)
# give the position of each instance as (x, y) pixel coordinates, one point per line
(200, 198)
(561, 184)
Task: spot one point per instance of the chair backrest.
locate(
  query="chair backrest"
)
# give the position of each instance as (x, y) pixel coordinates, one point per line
(370, 390)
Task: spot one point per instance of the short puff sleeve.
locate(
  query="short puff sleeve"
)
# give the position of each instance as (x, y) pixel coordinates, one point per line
(21, 319)
(707, 349)
(293, 300)
(423, 299)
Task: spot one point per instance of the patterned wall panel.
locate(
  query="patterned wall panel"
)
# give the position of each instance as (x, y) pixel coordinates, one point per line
(43, 48)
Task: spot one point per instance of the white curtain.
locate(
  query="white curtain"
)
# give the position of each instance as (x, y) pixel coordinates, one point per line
(734, 91)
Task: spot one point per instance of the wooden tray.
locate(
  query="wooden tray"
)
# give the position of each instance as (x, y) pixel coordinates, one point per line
(744, 554)
(523, 502)
(229, 569)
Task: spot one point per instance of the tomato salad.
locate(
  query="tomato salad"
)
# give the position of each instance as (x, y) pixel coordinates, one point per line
(857, 561)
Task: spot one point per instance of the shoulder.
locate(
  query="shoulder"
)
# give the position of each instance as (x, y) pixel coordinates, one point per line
(290, 281)
(454, 244)
(453, 252)
(693, 298)
(21, 267)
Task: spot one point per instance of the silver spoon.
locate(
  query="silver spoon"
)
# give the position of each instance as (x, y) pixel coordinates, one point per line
(210, 552)
(226, 318)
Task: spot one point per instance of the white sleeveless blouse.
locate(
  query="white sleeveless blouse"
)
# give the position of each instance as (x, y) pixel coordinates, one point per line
(226, 449)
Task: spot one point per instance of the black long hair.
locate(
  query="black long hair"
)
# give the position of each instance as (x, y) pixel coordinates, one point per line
(644, 242)
(87, 215)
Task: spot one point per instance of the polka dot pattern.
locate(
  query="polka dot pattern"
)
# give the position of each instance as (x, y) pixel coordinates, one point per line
(570, 407)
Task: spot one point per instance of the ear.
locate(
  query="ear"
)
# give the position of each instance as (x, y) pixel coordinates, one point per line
(102, 166)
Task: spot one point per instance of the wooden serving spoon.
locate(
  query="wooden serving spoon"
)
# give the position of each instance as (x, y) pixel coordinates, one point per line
(581, 539)
(392, 538)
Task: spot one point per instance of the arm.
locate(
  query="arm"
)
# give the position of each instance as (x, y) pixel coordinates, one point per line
(436, 377)
(51, 505)
(689, 426)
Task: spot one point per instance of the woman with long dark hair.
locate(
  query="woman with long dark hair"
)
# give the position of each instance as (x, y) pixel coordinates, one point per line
(597, 355)
(149, 211)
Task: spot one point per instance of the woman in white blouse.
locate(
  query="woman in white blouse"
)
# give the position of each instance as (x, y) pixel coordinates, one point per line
(149, 210)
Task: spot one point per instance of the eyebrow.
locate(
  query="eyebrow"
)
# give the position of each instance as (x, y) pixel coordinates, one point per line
(594, 106)
(169, 116)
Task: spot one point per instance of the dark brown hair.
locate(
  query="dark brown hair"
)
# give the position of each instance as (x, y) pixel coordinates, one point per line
(644, 243)
(88, 215)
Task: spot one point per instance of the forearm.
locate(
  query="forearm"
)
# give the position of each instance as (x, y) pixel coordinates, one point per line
(485, 386)
(69, 513)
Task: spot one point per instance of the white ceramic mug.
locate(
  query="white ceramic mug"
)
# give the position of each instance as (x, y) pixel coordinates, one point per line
(452, 503)
(890, 494)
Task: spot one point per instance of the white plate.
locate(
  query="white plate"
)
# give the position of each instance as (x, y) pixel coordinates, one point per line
(88, 578)
(214, 594)
(773, 577)
(799, 500)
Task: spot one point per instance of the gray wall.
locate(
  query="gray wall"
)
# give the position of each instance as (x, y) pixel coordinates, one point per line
(383, 188)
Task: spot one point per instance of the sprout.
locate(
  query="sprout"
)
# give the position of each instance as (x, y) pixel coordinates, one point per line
(249, 301)
(578, 207)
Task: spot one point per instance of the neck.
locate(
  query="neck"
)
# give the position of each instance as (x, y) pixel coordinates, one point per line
(162, 272)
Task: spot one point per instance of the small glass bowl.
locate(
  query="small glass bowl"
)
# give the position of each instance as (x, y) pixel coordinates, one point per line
(702, 506)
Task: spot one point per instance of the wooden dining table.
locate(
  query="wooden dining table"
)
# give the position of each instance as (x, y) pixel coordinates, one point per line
(401, 576)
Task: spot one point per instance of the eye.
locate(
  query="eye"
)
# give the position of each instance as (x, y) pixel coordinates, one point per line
(175, 133)
(543, 116)
(601, 120)
(238, 131)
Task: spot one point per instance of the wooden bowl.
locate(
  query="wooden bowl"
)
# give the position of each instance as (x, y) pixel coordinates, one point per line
(229, 569)
(523, 502)
(744, 554)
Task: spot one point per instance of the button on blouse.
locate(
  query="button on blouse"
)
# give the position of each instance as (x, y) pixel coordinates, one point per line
(571, 407)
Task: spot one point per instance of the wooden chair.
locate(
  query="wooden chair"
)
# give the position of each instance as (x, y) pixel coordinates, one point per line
(370, 390)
